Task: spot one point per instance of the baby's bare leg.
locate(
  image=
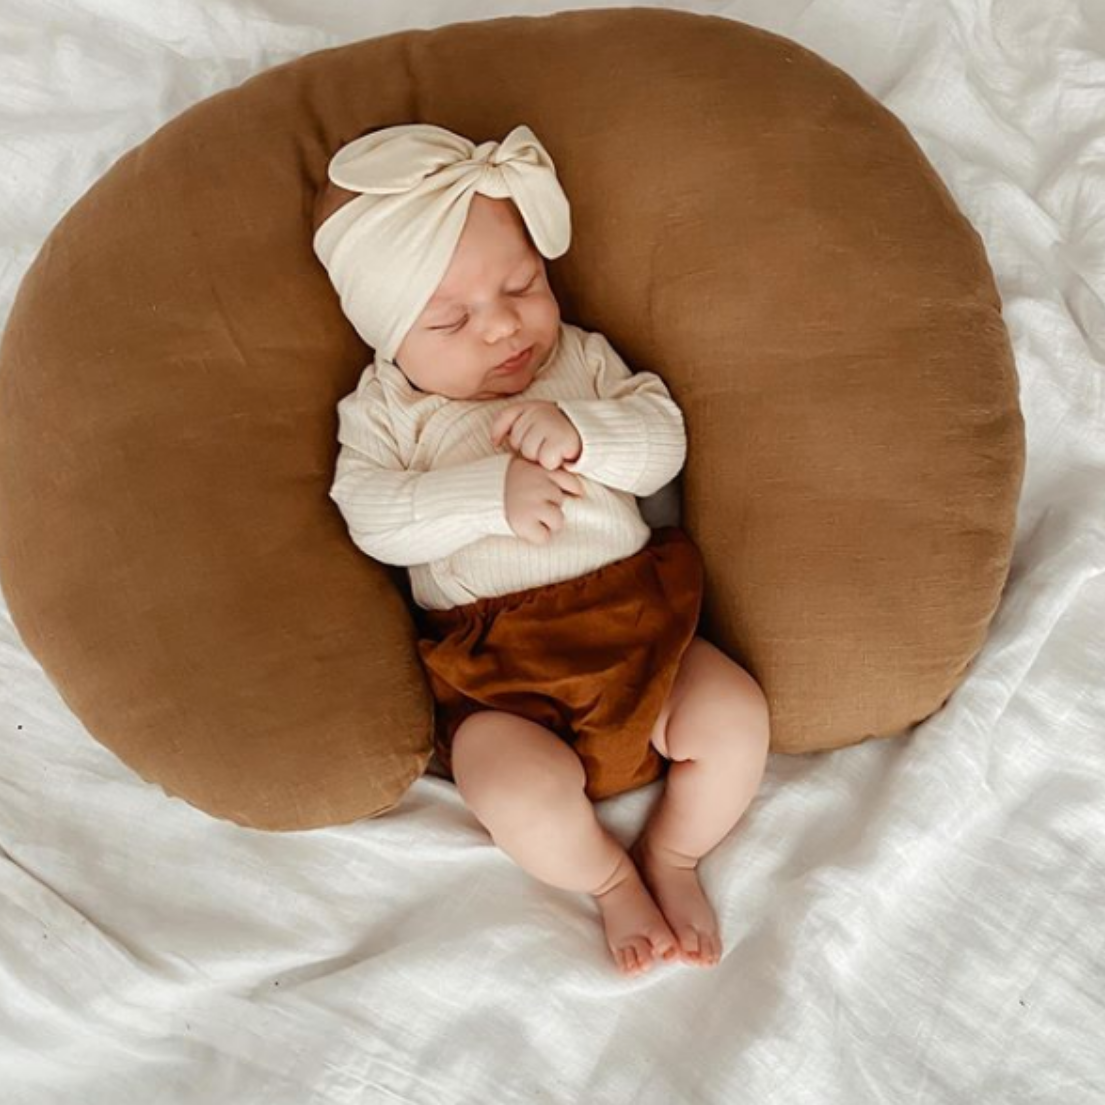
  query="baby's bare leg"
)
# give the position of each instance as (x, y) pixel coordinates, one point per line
(526, 786)
(715, 732)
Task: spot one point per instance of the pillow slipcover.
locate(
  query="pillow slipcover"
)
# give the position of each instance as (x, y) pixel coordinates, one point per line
(747, 222)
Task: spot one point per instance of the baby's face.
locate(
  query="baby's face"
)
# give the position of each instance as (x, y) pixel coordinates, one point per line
(494, 301)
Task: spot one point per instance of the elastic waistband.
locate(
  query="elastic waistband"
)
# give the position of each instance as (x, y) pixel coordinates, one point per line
(662, 539)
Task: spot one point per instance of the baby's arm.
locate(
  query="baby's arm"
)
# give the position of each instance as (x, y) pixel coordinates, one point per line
(633, 434)
(402, 517)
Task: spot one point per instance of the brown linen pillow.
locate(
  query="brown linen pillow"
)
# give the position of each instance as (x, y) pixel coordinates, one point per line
(748, 223)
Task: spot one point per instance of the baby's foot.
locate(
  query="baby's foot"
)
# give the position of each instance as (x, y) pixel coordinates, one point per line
(673, 880)
(635, 928)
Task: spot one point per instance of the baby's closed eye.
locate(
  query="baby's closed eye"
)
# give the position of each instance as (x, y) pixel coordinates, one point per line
(454, 326)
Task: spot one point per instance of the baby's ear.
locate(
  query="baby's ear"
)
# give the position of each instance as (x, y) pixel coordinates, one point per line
(328, 200)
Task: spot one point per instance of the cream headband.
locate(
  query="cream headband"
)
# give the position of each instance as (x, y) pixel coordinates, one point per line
(388, 250)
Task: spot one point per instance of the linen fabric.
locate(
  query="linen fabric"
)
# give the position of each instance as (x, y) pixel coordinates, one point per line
(420, 484)
(387, 250)
(593, 658)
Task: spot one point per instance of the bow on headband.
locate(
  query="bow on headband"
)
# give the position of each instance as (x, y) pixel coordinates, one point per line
(388, 250)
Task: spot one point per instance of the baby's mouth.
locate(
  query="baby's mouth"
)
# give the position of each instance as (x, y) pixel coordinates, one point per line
(520, 360)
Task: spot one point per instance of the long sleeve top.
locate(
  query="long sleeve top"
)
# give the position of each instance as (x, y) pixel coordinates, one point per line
(420, 484)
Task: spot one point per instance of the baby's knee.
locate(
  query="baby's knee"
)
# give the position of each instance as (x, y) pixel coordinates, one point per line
(508, 767)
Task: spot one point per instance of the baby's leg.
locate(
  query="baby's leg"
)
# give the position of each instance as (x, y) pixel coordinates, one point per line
(714, 729)
(526, 786)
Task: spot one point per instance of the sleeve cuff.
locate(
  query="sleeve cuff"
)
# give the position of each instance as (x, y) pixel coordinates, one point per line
(476, 491)
(614, 446)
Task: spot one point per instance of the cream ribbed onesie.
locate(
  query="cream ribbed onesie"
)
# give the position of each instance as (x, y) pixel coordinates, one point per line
(420, 484)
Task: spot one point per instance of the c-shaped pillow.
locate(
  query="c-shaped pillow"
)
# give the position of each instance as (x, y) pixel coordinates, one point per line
(748, 223)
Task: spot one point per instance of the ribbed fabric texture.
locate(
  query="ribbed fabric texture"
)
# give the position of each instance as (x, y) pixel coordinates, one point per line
(420, 484)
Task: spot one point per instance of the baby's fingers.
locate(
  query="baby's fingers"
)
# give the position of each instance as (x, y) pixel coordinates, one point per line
(504, 423)
(567, 481)
(549, 456)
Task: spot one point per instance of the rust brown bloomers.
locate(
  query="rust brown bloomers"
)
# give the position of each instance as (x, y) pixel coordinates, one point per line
(591, 658)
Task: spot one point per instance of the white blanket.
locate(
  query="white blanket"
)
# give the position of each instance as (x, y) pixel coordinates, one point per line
(909, 920)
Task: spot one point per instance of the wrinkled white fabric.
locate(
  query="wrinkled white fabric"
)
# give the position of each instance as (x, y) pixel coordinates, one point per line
(907, 921)
(388, 250)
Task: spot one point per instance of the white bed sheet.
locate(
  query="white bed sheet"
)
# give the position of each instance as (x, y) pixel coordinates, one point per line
(912, 920)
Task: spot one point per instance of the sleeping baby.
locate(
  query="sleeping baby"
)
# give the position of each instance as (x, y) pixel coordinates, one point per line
(497, 453)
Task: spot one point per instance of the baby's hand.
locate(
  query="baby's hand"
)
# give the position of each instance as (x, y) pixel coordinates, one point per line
(539, 431)
(533, 499)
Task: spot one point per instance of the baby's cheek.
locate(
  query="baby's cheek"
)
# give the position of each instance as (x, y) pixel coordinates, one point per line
(549, 316)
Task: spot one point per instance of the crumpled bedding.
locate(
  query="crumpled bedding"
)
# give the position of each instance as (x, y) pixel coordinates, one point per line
(907, 920)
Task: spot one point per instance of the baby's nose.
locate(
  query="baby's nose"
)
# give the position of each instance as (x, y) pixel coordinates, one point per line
(505, 324)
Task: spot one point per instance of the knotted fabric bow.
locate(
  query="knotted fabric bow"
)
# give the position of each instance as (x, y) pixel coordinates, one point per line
(388, 250)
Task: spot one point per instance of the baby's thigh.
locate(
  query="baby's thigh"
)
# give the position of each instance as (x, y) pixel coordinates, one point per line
(508, 766)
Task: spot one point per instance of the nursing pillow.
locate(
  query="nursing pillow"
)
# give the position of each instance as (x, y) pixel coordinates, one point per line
(747, 222)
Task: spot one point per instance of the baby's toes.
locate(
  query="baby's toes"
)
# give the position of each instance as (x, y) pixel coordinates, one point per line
(644, 952)
(634, 957)
(627, 960)
(663, 944)
(710, 949)
(689, 943)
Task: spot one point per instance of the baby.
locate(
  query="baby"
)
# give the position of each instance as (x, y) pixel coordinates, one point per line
(497, 453)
